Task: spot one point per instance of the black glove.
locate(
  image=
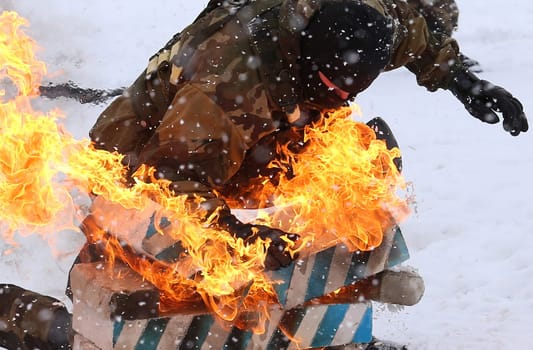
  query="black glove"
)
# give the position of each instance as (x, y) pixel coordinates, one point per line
(482, 99)
(277, 256)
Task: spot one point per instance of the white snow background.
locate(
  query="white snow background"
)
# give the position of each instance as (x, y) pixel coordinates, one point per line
(471, 231)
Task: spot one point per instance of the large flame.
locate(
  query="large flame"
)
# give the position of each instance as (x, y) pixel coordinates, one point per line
(36, 154)
(339, 185)
(30, 142)
(342, 188)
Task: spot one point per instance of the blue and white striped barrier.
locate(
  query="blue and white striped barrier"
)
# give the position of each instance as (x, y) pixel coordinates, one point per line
(299, 328)
(334, 268)
(292, 325)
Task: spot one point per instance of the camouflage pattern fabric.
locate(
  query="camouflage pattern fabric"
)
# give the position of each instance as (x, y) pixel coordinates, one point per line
(432, 56)
(29, 320)
(204, 115)
(197, 113)
(441, 15)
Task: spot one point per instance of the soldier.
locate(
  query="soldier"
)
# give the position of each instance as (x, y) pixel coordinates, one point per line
(212, 106)
(246, 75)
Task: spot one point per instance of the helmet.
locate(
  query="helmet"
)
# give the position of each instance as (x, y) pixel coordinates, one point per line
(343, 49)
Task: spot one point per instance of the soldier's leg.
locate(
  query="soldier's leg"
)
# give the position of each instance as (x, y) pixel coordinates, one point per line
(401, 286)
(383, 132)
(29, 320)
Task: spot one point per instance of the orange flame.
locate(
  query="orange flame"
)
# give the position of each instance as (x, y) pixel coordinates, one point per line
(36, 152)
(342, 186)
(344, 189)
(27, 194)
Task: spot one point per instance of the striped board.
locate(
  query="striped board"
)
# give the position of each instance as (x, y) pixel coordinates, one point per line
(293, 325)
(334, 268)
(300, 328)
(96, 320)
(144, 231)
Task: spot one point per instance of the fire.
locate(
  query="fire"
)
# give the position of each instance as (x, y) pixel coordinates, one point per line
(36, 153)
(342, 188)
(18, 57)
(27, 193)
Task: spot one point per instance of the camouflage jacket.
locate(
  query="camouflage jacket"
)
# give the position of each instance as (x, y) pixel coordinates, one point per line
(214, 102)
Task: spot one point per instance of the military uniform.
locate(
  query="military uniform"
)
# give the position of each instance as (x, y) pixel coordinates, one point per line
(32, 321)
(213, 105)
(214, 102)
(442, 16)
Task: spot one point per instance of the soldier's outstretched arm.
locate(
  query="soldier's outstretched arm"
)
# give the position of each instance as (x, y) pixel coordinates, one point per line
(436, 60)
(487, 102)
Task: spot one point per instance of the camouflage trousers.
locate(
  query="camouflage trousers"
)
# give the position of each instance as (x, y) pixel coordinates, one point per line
(32, 321)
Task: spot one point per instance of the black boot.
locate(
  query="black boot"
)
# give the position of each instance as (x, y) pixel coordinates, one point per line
(29, 320)
(383, 132)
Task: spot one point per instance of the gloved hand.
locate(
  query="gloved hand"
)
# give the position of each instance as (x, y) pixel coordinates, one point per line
(277, 256)
(483, 100)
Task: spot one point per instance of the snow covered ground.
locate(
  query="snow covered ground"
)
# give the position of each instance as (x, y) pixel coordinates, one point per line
(469, 234)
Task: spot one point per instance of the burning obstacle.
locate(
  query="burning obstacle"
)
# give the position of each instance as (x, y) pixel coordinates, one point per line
(175, 281)
(321, 300)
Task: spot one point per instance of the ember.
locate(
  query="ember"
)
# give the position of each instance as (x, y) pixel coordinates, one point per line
(343, 190)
